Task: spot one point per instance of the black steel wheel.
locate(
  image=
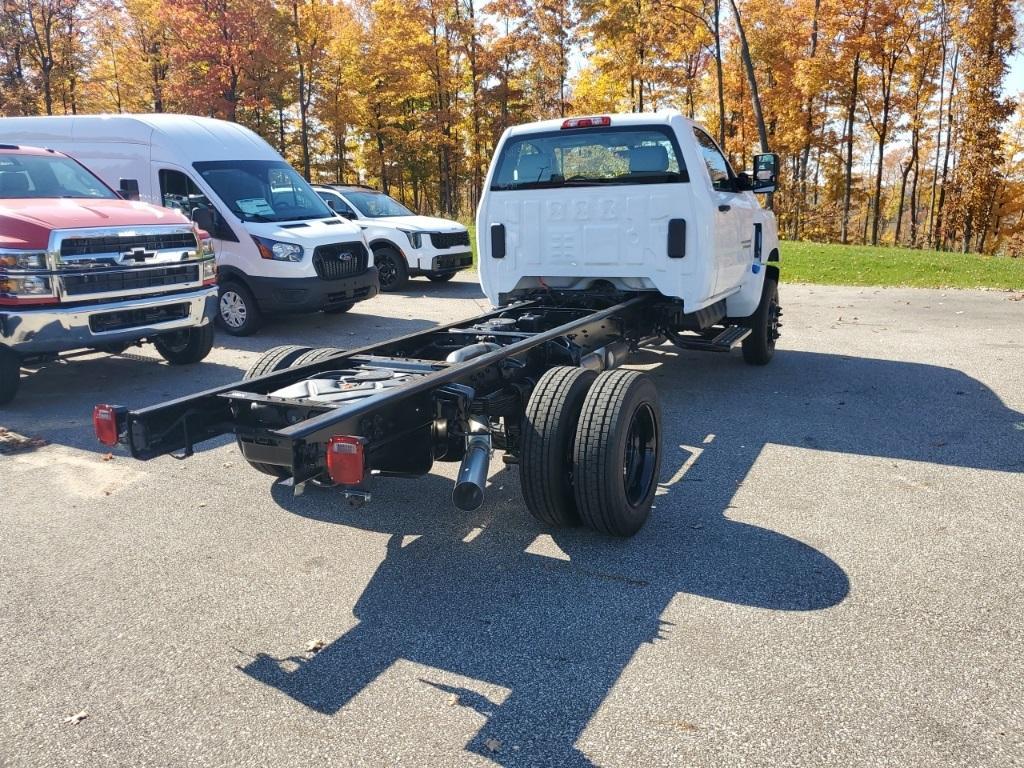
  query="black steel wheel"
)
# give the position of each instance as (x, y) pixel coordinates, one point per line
(617, 453)
(548, 427)
(237, 310)
(274, 359)
(10, 374)
(759, 346)
(186, 346)
(392, 271)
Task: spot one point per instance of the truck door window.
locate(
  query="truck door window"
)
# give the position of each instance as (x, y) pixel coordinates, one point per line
(718, 166)
(178, 192)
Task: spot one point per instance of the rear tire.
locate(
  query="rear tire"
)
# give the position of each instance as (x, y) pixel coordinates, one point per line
(185, 347)
(237, 310)
(274, 359)
(617, 453)
(545, 463)
(440, 277)
(759, 346)
(392, 271)
(315, 356)
(10, 375)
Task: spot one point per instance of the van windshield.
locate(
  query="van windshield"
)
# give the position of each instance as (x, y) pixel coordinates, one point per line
(589, 157)
(263, 190)
(35, 176)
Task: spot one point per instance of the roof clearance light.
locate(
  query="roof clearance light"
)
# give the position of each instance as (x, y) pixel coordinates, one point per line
(587, 122)
(345, 459)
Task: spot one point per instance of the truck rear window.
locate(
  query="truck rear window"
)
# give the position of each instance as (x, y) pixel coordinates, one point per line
(589, 157)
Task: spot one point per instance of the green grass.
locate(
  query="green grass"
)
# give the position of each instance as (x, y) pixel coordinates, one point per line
(827, 264)
(867, 265)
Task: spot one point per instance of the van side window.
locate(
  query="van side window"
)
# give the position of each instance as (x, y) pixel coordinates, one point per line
(178, 192)
(718, 166)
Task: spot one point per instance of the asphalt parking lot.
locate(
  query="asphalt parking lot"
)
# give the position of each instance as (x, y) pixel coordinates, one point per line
(832, 573)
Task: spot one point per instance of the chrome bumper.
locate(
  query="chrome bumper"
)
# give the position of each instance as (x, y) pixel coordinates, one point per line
(54, 329)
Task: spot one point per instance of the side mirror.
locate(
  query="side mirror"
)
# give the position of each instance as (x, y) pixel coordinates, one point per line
(766, 169)
(128, 189)
(203, 218)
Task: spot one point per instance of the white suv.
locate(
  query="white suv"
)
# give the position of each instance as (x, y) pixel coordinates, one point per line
(404, 244)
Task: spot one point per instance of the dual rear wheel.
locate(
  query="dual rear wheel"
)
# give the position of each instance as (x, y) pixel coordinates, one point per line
(591, 449)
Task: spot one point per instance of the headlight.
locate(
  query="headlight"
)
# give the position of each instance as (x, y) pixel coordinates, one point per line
(208, 270)
(272, 249)
(25, 286)
(206, 246)
(23, 259)
(415, 238)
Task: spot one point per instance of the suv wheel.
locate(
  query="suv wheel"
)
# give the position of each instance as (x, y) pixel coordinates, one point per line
(391, 269)
(237, 311)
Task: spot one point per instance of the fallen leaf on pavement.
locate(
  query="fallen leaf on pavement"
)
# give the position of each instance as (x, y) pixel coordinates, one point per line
(108, 457)
(315, 646)
(76, 718)
(493, 744)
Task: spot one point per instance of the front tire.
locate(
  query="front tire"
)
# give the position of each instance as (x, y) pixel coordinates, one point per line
(440, 277)
(617, 453)
(237, 310)
(10, 375)
(759, 346)
(547, 433)
(392, 271)
(185, 347)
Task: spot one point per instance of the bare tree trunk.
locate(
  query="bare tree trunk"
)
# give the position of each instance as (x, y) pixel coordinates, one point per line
(939, 236)
(851, 115)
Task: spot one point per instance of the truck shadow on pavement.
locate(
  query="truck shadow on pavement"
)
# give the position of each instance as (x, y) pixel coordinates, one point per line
(464, 593)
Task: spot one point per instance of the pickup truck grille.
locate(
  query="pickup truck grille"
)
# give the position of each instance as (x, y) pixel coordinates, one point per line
(90, 246)
(449, 239)
(338, 260)
(118, 281)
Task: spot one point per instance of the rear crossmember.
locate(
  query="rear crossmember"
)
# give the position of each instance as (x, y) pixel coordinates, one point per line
(452, 393)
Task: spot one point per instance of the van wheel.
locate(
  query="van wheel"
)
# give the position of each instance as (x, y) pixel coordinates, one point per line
(10, 375)
(617, 453)
(237, 310)
(440, 277)
(185, 347)
(392, 271)
(548, 427)
(759, 346)
(274, 359)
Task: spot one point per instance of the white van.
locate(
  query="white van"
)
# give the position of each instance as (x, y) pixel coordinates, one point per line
(279, 248)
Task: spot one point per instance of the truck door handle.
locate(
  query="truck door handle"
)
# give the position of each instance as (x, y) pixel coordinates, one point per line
(723, 208)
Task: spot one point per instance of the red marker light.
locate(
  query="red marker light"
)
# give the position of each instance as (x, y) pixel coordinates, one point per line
(587, 122)
(105, 423)
(345, 459)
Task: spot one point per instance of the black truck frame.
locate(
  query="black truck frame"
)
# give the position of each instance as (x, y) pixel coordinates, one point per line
(522, 379)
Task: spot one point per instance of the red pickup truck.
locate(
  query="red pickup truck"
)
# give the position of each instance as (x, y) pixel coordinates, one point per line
(83, 269)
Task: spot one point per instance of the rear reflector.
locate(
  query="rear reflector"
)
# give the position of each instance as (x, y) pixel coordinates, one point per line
(105, 423)
(587, 122)
(345, 459)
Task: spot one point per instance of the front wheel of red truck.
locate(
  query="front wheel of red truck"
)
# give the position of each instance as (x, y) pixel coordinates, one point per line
(187, 346)
(10, 375)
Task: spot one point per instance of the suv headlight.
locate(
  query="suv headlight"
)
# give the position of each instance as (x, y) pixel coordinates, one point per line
(22, 259)
(278, 251)
(415, 238)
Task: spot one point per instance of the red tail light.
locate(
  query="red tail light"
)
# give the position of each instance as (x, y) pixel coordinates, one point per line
(105, 421)
(587, 122)
(346, 463)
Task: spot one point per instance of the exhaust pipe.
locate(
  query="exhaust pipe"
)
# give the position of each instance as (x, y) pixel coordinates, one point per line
(468, 493)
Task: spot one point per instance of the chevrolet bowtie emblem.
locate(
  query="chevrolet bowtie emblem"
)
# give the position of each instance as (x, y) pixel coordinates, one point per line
(137, 254)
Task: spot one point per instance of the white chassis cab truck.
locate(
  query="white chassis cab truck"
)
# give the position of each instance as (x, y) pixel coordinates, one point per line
(597, 236)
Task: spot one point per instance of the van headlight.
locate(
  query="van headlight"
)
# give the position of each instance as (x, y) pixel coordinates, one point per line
(22, 259)
(415, 238)
(278, 251)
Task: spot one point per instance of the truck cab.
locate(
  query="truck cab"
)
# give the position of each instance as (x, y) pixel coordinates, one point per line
(404, 243)
(82, 269)
(638, 202)
(279, 248)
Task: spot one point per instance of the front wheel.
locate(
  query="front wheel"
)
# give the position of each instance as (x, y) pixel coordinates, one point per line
(759, 346)
(10, 375)
(185, 347)
(617, 453)
(392, 271)
(237, 310)
(440, 277)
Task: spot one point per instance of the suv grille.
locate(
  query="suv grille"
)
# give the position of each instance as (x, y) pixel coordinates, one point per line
(129, 279)
(339, 260)
(449, 239)
(89, 246)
